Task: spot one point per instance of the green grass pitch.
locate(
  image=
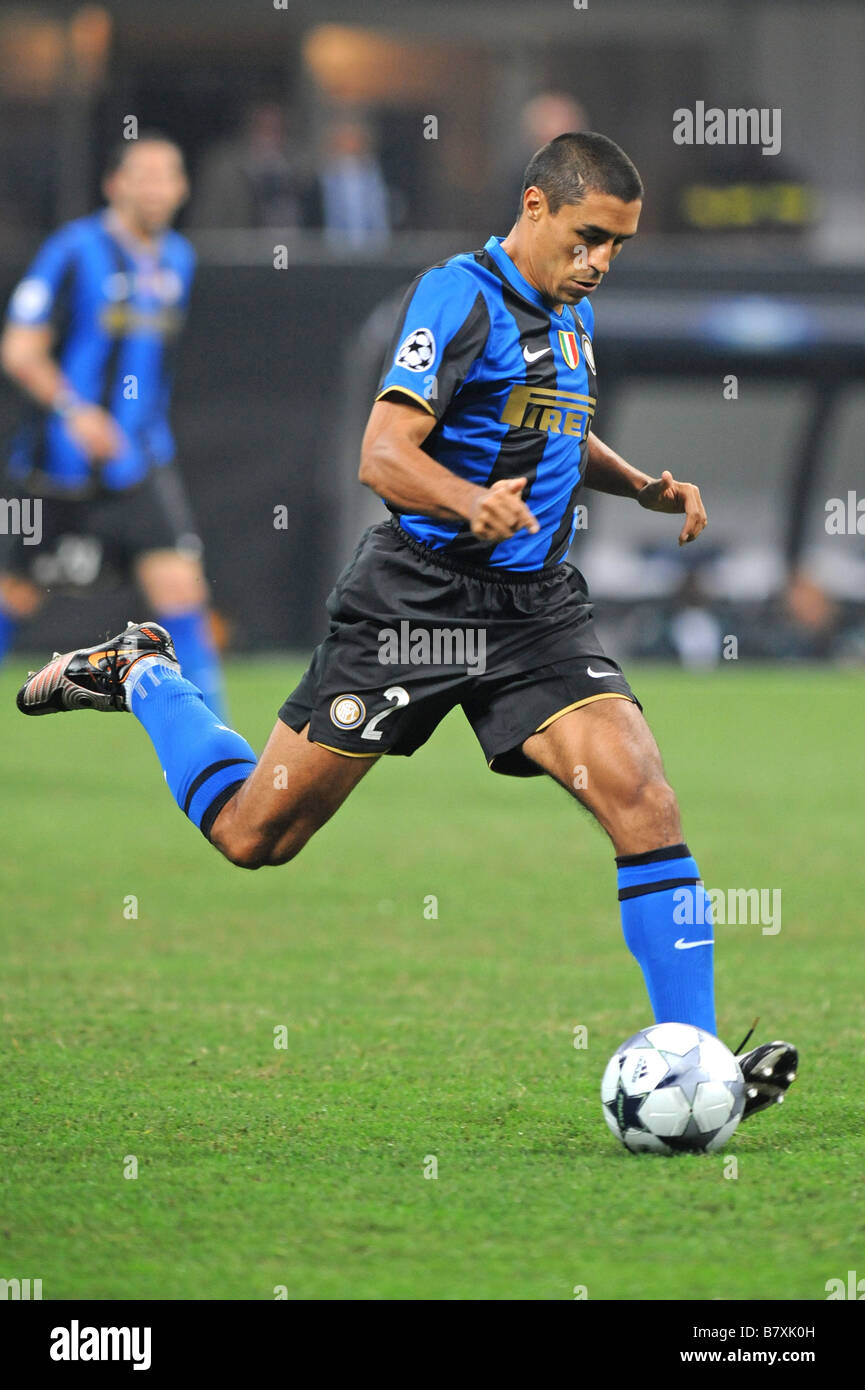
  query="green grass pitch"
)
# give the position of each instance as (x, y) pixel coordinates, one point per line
(411, 1037)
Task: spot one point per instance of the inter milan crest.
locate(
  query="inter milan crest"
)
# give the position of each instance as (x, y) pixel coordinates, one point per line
(418, 351)
(570, 350)
(587, 350)
(346, 711)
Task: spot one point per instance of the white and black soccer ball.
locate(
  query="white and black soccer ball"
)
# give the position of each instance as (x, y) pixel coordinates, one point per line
(673, 1088)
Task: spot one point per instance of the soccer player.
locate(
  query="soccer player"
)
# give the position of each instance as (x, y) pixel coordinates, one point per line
(479, 442)
(89, 338)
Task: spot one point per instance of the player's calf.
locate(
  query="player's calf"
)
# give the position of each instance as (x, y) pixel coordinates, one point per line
(623, 785)
(295, 788)
(621, 777)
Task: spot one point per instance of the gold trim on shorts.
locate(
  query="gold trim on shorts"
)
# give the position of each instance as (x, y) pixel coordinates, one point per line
(589, 700)
(344, 751)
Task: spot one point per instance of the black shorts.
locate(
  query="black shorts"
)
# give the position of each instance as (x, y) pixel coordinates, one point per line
(412, 634)
(85, 540)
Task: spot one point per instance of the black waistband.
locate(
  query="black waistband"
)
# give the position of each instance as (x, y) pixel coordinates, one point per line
(454, 565)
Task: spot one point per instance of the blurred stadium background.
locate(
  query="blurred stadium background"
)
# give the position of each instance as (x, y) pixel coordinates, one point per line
(369, 142)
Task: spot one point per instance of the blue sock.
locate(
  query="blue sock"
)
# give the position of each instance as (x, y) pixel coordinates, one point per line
(204, 762)
(665, 914)
(197, 656)
(8, 628)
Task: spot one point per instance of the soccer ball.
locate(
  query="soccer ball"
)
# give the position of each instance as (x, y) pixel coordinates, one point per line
(672, 1088)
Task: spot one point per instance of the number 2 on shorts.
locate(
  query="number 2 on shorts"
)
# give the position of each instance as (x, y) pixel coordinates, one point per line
(400, 697)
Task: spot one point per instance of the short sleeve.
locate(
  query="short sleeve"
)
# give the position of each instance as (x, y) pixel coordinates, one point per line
(36, 298)
(442, 330)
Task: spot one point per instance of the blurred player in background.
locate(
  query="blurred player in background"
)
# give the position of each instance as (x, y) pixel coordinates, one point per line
(90, 336)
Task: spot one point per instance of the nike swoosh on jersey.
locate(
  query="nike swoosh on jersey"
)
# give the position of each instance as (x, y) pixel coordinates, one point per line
(683, 945)
(533, 356)
(596, 675)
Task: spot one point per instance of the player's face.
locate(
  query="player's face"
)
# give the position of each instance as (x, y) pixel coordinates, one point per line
(149, 186)
(573, 249)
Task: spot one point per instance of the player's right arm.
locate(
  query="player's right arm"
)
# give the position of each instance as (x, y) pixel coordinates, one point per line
(440, 337)
(26, 353)
(394, 465)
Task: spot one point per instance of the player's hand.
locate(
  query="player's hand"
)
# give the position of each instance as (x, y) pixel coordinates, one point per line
(666, 495)
(498, 512)
(96, 432)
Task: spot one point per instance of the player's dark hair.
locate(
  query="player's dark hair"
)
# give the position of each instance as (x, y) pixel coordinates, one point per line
(119, 151)
(578, 163)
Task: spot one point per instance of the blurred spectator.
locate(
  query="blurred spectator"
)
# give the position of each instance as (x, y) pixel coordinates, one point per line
(547, 115)
(352, 201)
(695, 631)
(806, 624)
(255, 179)
(543, 118)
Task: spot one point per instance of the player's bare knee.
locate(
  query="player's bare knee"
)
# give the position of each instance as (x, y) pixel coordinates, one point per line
(266, 852)
(655, 805)
(244, 851)
(644, 803)
(236, 840)
(260, 846)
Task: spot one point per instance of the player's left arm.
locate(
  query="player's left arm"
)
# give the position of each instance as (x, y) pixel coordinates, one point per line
(607, 471)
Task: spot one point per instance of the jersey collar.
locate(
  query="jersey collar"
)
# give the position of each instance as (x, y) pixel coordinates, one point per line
(518, 281)
(136, 250)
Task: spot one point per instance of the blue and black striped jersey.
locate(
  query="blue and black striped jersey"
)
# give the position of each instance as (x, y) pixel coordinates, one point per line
(512, 387)
(116, 311)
